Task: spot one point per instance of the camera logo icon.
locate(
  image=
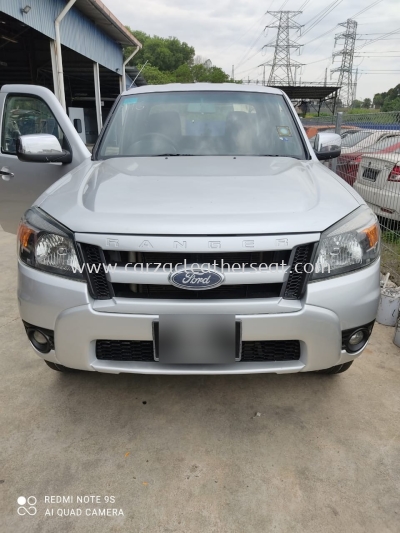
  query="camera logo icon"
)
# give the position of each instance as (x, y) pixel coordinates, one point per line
(27, 505)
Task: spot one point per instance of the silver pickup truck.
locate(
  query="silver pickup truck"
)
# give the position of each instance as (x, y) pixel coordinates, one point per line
(201, 236)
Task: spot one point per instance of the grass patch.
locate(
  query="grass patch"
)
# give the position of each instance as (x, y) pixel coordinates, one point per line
(360, 111)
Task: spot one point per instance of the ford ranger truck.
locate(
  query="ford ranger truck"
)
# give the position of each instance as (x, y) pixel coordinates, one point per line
(202, 235)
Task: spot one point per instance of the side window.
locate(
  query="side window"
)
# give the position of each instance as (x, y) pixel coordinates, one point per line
(23, 115)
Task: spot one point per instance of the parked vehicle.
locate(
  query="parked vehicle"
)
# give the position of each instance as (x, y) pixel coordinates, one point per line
(202, 236)
(366, 141)
(312, 131)
(378, 182)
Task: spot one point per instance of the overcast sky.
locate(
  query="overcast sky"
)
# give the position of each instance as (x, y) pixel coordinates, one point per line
(230, 32)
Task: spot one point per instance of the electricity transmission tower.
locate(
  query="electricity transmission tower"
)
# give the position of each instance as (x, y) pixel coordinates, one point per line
(346, 68)
(282, 66)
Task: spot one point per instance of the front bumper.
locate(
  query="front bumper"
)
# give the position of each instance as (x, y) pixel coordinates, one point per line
(328, 308)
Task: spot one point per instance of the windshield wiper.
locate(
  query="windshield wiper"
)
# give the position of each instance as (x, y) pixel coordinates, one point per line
(171, 155)
(276, 155)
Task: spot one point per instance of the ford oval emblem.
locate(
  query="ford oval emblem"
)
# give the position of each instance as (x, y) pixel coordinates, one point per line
(196, 279)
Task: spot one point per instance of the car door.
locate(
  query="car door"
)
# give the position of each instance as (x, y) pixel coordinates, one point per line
(30, 109)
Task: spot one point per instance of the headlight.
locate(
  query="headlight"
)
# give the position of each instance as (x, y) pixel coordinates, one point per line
(45, 244)
(352, 243)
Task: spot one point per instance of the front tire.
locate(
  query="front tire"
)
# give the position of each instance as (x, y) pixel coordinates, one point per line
(60, 368)
(338, 369)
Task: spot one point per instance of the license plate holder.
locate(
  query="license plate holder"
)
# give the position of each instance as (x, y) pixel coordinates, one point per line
(370, 174)
(197, 339)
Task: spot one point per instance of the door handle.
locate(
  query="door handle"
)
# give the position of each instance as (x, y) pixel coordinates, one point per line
(6, 174)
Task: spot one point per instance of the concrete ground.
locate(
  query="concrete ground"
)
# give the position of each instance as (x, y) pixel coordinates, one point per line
(187, 454)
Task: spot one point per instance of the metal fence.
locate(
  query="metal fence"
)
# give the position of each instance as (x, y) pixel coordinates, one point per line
(370, 162)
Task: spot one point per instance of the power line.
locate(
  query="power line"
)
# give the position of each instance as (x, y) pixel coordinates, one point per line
(366, 8)
(390, 39)
(282, 66)
(244, 58)
(301, 8)
(237, 39)
(376, 57)
(324, 13)
(371, 41)
(386, 73)
(254, 42)
(334, 27)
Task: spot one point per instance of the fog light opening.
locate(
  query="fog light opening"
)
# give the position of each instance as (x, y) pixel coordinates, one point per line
(39, 340)
(357, 340)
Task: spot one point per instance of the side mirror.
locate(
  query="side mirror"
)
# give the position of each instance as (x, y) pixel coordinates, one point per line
(327, 145)
(41, 148)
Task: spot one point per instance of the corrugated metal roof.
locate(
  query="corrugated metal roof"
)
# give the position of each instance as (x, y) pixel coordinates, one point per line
(95, 10)
(100, 42)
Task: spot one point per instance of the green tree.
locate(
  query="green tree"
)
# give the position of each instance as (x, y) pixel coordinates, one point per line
(391, 105)
(170, 60)
(366, 103)
(167, 54)
(183, 74)
(378, 100)
(383, 100)
(212, 74)
(155, 76)
(356, 104)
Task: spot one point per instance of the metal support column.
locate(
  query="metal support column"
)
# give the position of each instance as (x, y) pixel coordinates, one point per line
(123, 80)
(338, 129)
(60, 71)
(97, 95)
(54, 67)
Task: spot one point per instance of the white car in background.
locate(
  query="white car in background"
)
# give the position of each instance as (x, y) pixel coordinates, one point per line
(356, 143)
(378, 182)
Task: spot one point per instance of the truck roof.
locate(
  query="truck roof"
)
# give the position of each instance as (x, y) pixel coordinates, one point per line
(174, 87)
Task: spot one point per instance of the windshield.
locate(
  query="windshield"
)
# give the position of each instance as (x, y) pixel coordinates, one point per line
(203, 123)
(352, 138)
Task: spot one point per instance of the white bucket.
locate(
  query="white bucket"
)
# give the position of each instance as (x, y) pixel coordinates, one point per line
(388, 309)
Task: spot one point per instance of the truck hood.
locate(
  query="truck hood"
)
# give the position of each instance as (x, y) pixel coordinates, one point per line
(199, 196)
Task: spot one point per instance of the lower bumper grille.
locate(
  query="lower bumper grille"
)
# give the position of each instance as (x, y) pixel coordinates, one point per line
(268, 351)
(125, 350)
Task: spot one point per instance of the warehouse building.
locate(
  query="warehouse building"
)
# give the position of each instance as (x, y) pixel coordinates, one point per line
(72, 47)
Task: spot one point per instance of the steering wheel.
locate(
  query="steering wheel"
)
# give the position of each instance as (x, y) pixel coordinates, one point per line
(162, 137)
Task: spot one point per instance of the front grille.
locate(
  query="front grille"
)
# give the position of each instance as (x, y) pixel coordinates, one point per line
(297, 279)
(93, 257)
(101, 289)
(141, 351)
(221, 259)
(223, 292)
